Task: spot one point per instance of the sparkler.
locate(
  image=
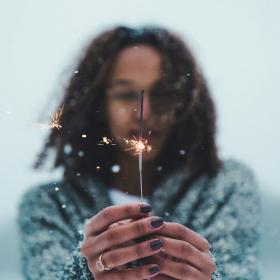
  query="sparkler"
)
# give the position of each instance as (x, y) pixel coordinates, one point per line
(56, 121)
(139, 145)
(140, 142)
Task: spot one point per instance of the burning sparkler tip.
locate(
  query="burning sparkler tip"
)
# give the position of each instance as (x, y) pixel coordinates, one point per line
(138, 145)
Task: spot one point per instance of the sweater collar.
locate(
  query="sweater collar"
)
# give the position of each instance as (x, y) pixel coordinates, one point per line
(160, 199)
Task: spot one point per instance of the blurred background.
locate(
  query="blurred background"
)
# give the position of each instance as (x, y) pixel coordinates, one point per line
(237, 44)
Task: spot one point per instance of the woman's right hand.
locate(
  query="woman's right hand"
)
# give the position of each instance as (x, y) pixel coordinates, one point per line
(101, 238)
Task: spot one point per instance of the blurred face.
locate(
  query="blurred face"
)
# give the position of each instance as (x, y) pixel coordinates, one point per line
(137, 68)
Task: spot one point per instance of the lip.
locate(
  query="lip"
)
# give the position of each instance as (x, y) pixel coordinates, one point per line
(147, 135)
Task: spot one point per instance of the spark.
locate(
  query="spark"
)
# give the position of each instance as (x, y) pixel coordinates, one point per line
(106, 141)
(84, 136)
(138, 145)
(97, 167)
(56, 121)
(9, 113)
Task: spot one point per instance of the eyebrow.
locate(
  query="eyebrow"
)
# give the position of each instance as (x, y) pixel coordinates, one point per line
(128, 82)
(121, 82)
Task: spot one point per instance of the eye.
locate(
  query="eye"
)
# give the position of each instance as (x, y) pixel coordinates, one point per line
(163, 95)
(164, 100)
(126, 96)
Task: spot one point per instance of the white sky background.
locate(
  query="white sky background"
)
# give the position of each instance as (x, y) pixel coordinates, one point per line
(237, 45)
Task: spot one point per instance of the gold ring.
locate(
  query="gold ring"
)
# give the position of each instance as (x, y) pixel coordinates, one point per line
(101, 264)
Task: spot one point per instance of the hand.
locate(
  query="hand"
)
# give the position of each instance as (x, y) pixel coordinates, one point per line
(102, 237)
(185, 254)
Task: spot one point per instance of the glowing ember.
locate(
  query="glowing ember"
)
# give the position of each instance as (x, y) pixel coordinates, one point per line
(106, 140)
(138, 145)
(56, 121)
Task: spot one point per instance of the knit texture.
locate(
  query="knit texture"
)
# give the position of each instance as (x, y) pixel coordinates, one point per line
(224, 209)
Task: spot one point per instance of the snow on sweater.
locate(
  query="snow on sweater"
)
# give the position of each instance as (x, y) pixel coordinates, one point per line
(224, 209)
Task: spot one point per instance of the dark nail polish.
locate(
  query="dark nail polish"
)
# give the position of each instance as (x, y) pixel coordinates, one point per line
(145, 208)
(154, 270)
(156, 245)
(156, 222)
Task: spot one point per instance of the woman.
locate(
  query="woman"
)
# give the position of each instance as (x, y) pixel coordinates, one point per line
(202, 199)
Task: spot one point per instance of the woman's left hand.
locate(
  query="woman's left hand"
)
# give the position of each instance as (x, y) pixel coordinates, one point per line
(185, 254)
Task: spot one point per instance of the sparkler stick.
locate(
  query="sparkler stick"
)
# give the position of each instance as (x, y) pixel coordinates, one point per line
(139, 145)
(142, 261)
(140, 141)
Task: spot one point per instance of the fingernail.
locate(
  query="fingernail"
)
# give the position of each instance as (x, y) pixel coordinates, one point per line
(145, 208)
(155, 245)
(154, 270)
(156, 222)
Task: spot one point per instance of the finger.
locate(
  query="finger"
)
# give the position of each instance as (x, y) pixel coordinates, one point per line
(113, 214)
(163, 255)
(185, 251)
(177, 270)
(129, 220)
(161, 277)
(138, 273)
(141, 238)
(120, 223)
(177, 231)
(124, 233)
(148, 214)
(125, 255)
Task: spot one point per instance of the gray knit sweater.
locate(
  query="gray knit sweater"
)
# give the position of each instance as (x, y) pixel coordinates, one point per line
(224, 210)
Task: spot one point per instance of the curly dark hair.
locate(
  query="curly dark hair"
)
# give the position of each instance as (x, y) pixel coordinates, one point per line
(192, 140)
